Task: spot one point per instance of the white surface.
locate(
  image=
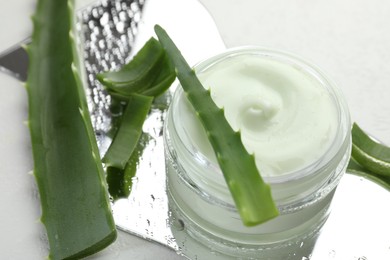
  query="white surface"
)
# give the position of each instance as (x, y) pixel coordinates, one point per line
(15, 20)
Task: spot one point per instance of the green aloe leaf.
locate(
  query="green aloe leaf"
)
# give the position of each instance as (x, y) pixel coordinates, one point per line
(370, 159)
(67, 167)
(129, 132)
(120, 181)
(163, 81)
(251, 195)
(157, 73)
(369, 153)
(138, 74)
(358, 170)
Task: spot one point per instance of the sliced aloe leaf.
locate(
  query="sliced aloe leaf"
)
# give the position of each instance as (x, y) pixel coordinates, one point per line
(251, 195)
(369, 145)
(67, 167)
(358, 170)
(369, 153)
(136, 75)
(157, 80)
(129, 131)
(353, 165)
(164, 80)
(119, 181)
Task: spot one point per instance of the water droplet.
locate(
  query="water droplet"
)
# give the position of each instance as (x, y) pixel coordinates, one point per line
(332, 253)
(104, 19)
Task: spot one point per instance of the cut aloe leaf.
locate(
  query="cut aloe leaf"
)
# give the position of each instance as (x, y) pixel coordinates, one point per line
(129, 132)
(358, 170)
(121, 158)
(369, 153)
(369, 145)
(156, 81)
(369, 158)
(67, 167)
(354, 165)
(164, 80)
(138, 74)
(119, 181)
(251, 194)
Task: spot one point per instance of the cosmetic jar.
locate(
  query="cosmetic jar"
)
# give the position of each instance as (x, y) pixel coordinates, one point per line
(295, 121)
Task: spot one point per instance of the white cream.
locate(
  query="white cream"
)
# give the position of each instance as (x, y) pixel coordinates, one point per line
(286, 117)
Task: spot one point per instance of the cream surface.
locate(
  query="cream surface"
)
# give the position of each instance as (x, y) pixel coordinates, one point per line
(286, 117)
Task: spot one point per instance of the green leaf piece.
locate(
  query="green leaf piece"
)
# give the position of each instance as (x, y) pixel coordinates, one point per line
(120, 181)
(164, 80)
(369, 153)
(370, 159)
(251, 195)
(116, 185)
(358, 170)
(138, 74)
(369, 145)
(157, 77)
(129, 132)
(126, 86)
(353, 165)
(67, 167)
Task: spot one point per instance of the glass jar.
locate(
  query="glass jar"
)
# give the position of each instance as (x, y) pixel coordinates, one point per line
(201, 204)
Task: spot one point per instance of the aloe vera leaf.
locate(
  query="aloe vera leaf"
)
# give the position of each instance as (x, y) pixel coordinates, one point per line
(137, 74)
(370, 154)
(129, 131)
(161, 86)
(369, 145)
(67, 167)
(353, 165)
(116, 185)
(154, 90)
(355, 168)
(157, 81)
(251, 194)
(119, 181)
(164, 80)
